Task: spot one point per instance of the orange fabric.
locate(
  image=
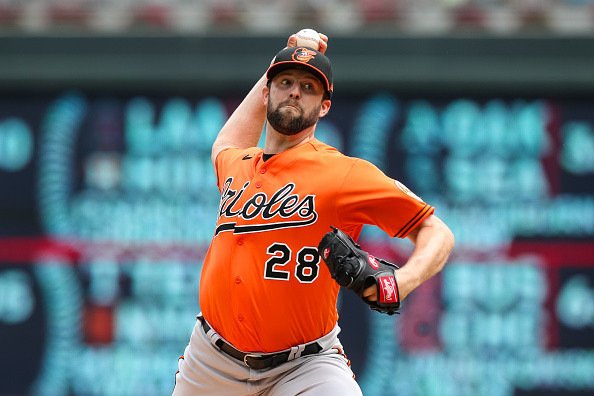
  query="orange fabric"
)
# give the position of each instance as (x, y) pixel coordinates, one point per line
(263, 286)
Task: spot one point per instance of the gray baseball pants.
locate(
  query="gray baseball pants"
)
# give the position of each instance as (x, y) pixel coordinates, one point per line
(206, 370)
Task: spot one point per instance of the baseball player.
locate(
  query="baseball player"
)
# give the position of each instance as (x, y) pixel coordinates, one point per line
(275, 265)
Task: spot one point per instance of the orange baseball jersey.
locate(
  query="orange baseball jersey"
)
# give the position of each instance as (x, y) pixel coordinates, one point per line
(264, 287)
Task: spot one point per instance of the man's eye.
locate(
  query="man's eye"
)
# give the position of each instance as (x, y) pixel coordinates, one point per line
(308, 86)
(285, 82)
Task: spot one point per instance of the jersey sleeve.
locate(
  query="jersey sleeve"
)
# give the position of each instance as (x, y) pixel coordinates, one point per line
(223, 162)
(368, 196)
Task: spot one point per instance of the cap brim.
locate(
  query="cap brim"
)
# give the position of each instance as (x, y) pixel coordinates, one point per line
(282, 66)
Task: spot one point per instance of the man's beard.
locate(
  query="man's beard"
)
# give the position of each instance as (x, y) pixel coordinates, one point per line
(291, 125)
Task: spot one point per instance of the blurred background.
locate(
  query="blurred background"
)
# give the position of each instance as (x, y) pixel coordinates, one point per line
(484, 108)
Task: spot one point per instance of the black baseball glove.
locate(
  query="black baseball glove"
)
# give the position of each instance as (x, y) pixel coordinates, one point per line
(357, 270)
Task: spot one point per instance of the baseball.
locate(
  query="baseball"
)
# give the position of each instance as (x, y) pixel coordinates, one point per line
(308, 38)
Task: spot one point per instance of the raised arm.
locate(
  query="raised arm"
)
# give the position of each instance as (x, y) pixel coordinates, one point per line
(244, 127)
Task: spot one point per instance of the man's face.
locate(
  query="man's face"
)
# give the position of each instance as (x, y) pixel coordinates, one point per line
(294, 101)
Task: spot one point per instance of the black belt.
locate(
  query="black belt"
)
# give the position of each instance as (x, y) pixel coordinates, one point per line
(259, 361)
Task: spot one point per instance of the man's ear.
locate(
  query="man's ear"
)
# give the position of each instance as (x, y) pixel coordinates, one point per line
(265, 93)
(325, 108)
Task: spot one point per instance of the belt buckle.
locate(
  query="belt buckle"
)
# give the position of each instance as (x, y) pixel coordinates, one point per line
(249, 355)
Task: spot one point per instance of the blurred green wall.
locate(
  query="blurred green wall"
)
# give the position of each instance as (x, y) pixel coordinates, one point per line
(522, 65)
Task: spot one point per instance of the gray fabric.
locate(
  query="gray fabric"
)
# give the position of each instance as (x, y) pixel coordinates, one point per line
(205, 370)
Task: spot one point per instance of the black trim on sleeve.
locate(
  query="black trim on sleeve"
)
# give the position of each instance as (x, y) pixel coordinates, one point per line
(414, 221)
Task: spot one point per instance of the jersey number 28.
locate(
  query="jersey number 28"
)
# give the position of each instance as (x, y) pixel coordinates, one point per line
(306, 270)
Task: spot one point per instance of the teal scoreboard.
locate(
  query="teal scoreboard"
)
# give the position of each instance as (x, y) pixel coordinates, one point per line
(109, 203)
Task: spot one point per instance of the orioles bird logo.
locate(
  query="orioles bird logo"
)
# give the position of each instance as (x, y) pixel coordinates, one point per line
(303, 54)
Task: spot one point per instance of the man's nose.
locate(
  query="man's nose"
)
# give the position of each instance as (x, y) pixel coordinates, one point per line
(295, 92)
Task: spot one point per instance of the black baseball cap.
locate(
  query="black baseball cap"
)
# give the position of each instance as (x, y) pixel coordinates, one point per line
(303, 58)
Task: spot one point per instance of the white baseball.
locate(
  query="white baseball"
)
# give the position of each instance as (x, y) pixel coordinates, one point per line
(308, 38)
